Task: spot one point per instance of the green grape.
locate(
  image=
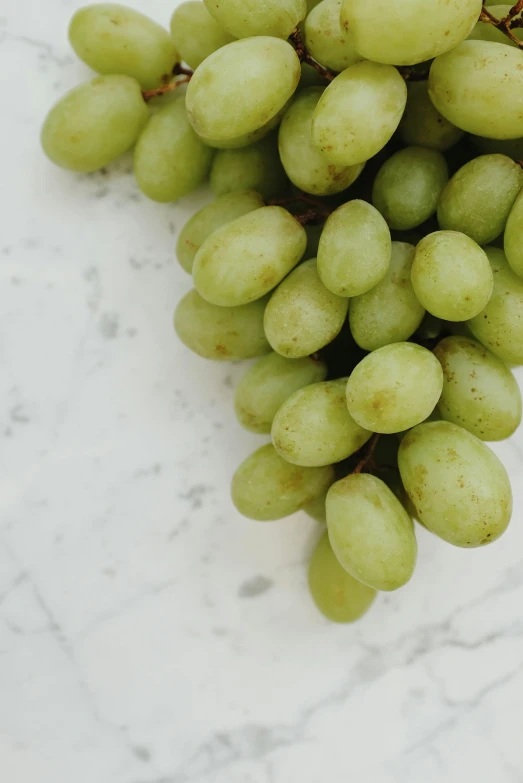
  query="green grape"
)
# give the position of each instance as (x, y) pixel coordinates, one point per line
(268, 383)
(513, 148)
(114, 39)
(245, 18)
(197, 34)
(513, 239)
(358, 113)
(408, 186)
(500, 325)
(302, 315)
(317, 509)
(256, 167)
(313, 427)
(248, 138)
(394, 388)
(479, 87)
(422, 124)
(312, 4)
(266, 487)
(338, 596)
(304, 164)
(215, 215)
(248, 257)
(241, 87)
(310, 77)
(169, 159)
(478, 199)
(355, 249)
(325, 39)
(390, 312)
(484, 31)
(459, 488)
(370, 532)
(451, 276)
(406, 32)
(221, 333)
(479, 391)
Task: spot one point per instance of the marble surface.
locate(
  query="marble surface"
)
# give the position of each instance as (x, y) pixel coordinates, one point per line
(148, 633)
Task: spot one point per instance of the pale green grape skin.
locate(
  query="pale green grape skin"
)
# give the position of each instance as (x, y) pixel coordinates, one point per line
(313, 426)
(268, 384)
(500, 325)
(370, 532)
(451, 276)
(406, 32)
(317, 509)
(390, 312)
(238, 142)
(326, 40)
(114, 39)
(422, 125)
(459, 488)
(241, 87)
(94, 124)
(358, 113)
(302, 315)
(203, 223)
(478, 198)
(355, 249)
(310, 77)
(394, 388)
(304, 164)
(266, 487)
(248, 257)
(197, 34)
(513, 238)
(484, 31)
(479, 391)
(407, 187)
(256, 167)
(169, 159)
(245, 18)
(221, 333)
(338, 596)
(312, 4)
(479, 87)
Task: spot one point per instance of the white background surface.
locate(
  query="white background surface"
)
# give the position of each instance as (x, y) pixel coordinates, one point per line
(148, 633)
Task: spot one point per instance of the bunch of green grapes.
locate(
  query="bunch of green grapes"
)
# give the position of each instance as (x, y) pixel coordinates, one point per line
(364, 247)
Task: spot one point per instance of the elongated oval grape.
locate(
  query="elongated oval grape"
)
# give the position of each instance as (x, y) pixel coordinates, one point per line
(248, 257)
(302, 315)
(114, 39)
(336, 593)
(422, 124)
(451, 276)
(390, 312)
(358, 113)
(408, 186)
(355, 249)
(499, 326)
(256, 167)
(479, 391)
(513, 238)
(313, 427)
(326, 40)
(478, 198)
(405, 32)
(241, 87)
(197, 34)
(394, 388)
(459, 488)
(370, 532)
(221, 333)
(244, 18)
(268, 383)
(169, 159)
(95, 123)
(203, 223)
(479, 87)
(304, 164)
(484, 31)
(266, 487)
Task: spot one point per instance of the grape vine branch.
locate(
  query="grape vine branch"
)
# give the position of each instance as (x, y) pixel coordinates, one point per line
(507, 23)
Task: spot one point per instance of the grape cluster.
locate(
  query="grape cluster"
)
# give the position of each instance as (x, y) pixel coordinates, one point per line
(365, 246)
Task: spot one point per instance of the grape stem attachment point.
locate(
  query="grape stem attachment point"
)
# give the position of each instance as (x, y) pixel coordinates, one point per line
(317, 209)
(506, 24)
(367, 460)
(165, 88)
(301, 50)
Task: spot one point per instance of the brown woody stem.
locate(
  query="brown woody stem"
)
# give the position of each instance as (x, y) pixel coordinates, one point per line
(506, 24)
(368, 454)
(165, 88)
(301, 50)
(317, 209)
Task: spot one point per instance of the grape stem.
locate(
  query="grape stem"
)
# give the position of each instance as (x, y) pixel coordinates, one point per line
(368, 455)
(506, 24)
(317, 209)
(165, 88)
(301, 50)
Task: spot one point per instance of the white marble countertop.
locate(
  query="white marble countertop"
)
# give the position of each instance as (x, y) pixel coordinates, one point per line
(148, 633)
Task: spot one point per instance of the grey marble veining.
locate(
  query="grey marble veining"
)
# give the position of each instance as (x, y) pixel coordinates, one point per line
(148, 633)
